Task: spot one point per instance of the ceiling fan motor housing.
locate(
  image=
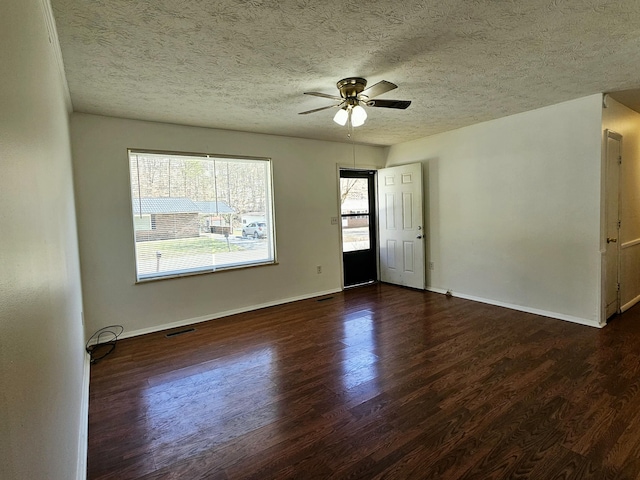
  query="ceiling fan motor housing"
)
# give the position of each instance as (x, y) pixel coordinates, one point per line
(351, 87)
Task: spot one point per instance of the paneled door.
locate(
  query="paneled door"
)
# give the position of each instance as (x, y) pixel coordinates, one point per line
(612, 211)
(401, 227)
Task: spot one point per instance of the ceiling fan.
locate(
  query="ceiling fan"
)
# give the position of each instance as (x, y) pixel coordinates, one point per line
(353, 97)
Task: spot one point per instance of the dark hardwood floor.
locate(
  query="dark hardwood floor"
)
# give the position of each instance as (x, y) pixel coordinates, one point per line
(375, 382)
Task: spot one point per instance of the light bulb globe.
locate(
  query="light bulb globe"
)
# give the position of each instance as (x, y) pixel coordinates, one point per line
(358, 116)
(341, 117)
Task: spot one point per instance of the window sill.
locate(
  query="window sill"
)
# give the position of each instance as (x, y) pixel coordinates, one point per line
(204, 272)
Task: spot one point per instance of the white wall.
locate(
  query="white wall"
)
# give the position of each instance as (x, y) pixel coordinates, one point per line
(41, 337)
(306, 197)
(513, 209)
(623, 120)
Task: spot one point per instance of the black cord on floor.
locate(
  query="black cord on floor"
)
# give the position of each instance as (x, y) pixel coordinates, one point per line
(103, 342)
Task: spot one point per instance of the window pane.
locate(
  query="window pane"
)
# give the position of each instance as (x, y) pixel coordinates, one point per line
(142, 222)
(190, 213)
(355, 233)
(354, 195)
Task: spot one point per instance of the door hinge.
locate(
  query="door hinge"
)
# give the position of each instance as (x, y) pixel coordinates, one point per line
(620, 160)
(618, 287)
(619, 224)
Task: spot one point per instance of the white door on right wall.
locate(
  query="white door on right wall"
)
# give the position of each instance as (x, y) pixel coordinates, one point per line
(612, 209)
(401, 227)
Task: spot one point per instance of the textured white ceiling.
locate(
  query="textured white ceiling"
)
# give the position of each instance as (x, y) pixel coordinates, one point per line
(244, 64)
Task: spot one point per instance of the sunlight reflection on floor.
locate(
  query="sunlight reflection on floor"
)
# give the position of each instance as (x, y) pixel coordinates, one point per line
(210, 397)
(359, 362)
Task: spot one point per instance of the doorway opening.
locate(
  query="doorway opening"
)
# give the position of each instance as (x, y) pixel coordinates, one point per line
(358, 221)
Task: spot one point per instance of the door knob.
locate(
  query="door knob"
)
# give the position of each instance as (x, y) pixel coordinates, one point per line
(419, 237)
(611, 240)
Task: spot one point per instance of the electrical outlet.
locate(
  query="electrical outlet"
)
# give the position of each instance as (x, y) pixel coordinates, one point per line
(334, 220)
(431, 266)
(319, 269)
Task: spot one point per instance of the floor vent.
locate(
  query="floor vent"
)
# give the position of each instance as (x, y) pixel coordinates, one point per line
(180, 332)
(324, 299)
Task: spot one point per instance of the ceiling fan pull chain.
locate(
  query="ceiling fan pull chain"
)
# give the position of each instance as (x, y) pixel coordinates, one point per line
(353, 145)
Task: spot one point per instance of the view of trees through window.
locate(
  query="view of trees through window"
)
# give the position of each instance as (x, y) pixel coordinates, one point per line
(354, 200)
(193, 214)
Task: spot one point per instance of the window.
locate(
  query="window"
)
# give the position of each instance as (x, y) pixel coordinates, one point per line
(356, 227)
(190, 213)
(143, 222)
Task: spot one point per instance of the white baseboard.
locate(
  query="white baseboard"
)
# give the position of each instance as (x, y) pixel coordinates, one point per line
(630, 304)
(83, 435)
(435, 290)
(213, 316)
(520, 308)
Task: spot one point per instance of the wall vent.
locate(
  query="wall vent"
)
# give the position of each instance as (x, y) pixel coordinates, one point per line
(324, 299)
(180, 332)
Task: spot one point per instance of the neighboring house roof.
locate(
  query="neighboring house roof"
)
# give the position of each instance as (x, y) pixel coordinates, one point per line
(214, 207)
(177, 205)
(163, 205)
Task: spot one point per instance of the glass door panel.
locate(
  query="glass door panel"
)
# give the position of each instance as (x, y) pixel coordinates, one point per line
(357, 209)
(355, 233)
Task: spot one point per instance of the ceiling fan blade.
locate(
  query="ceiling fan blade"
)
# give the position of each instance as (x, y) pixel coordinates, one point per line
(401, 104)
(323, 95)
(378, 89)
(319, 109)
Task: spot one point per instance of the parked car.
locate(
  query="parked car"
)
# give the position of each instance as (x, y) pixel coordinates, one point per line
(255, 230)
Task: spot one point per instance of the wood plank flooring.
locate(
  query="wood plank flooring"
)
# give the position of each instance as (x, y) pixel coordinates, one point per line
(375, 382)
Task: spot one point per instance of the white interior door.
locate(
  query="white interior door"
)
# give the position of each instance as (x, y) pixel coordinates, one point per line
(401, 225)
(612, 209)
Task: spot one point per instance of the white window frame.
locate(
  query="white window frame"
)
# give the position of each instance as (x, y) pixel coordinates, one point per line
(269, 216)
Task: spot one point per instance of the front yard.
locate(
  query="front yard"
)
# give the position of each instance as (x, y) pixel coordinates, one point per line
(185, 246)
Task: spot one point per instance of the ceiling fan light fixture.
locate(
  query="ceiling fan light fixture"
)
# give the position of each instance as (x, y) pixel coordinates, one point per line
(354, 96)
(341, 117)
(358, 116)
